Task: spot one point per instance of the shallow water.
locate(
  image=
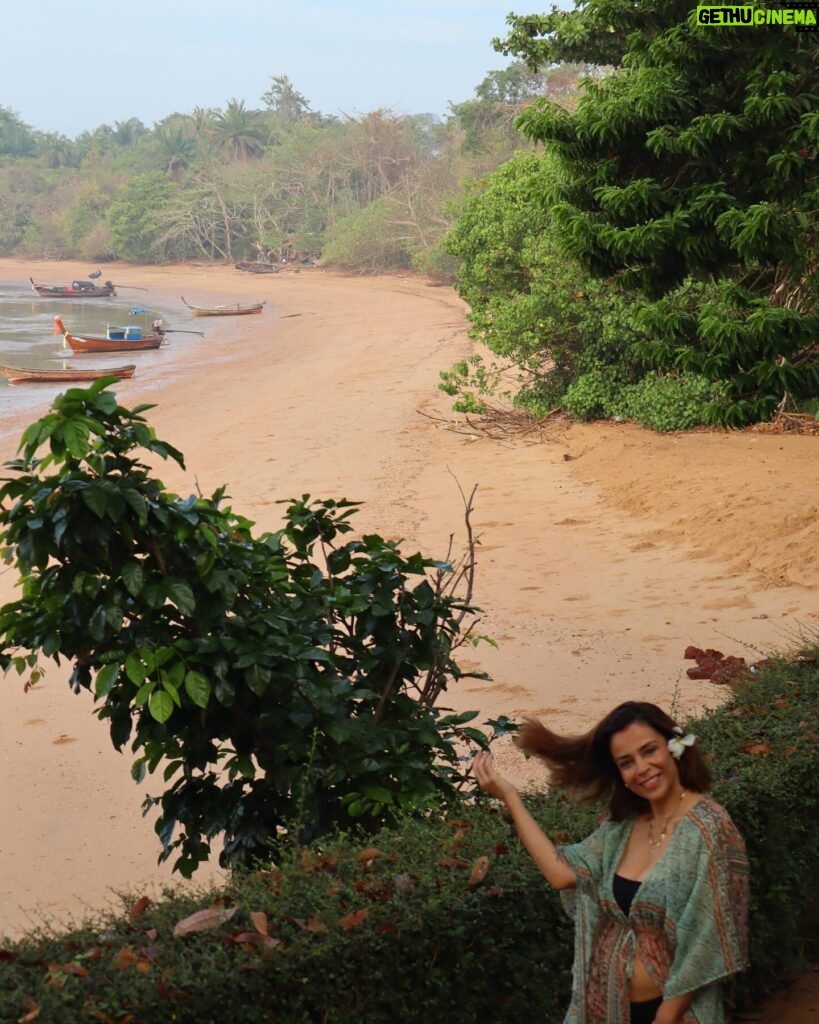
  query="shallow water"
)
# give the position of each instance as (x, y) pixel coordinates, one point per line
(27, 339)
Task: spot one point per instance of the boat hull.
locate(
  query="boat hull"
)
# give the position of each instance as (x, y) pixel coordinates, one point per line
(76, 290)
(91, 343)
(228, 310)
(26, 375)
(80, 343)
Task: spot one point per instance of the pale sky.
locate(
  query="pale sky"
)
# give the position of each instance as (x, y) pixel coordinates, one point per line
(70, 67)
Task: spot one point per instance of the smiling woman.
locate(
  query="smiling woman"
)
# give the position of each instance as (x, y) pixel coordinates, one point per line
(659, 891)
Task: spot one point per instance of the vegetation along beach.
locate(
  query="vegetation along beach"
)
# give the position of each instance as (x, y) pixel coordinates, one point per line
(525, 340)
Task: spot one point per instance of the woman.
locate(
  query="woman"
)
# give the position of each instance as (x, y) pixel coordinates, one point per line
(659, 891)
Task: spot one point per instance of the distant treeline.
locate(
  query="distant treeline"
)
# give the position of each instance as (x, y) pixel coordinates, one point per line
(372, 192)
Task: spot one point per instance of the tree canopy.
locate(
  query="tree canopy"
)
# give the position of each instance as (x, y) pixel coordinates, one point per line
(690, 176)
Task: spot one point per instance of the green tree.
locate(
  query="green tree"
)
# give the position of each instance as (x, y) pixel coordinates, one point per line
(690, 176)
(282, 681)
(285, 100)
(238, 131)
(529, 304)
(136, 217)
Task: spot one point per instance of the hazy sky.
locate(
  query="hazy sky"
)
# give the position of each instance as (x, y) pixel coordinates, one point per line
(70, 67)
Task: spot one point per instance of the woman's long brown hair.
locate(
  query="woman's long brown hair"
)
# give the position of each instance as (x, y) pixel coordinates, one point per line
(583, 765)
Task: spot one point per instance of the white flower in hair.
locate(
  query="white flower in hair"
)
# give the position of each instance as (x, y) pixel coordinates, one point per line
(677, 743)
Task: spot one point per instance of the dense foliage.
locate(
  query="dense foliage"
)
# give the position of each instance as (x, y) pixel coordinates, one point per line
(281, 682)
(280, 182)
(689, 176)
(446, 919)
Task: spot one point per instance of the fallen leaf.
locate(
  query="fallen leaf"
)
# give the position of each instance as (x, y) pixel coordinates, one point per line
(259, 919)
(32, 1011)
(312, 924)
(367, 855)
(480, 869)
(203, 920)
(758, 748)
(451, 862)
(125, 959)
(353, 920)
(139, 908)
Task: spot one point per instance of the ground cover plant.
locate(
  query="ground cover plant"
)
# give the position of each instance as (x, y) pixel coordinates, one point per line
(442, 919)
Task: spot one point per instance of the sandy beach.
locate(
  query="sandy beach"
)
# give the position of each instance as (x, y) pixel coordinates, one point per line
(604, 550)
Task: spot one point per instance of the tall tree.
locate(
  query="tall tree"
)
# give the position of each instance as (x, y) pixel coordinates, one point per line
(690, 175)
(285, 100)
(238, 130)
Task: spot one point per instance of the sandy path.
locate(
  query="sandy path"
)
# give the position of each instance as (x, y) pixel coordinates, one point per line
(604, 550)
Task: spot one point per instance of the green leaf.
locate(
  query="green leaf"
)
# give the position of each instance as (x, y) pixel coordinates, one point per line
(133, 576)
(378, 793)
(106, 677)
(160, 704)
(96, 499)
(198, 688)
(98, 622)
(180, 594)
(75, 436)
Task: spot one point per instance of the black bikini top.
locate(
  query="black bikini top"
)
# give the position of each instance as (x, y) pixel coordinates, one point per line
(624, 890)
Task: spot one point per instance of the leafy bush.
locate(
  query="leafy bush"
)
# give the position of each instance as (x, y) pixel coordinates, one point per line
(675, 401)
(436, 919)
(286, 681)
(369, 241)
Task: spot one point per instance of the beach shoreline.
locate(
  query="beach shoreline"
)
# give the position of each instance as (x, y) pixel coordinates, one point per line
(604, 550)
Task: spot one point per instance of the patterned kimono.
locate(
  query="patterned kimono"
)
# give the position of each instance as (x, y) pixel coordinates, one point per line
(687, 923)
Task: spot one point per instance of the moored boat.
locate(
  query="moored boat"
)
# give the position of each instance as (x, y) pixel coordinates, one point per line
(258, 267)
(27, 375)
(116, 339)
(75, 290)
(232, 309)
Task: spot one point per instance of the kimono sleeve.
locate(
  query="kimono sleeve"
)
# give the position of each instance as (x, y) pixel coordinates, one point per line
(586, 860)
(711, 929)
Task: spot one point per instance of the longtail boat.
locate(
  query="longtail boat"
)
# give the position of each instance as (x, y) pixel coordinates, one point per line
(234, 309)
(258, 267)
(116, 339)
(25, 375)
(75, 290)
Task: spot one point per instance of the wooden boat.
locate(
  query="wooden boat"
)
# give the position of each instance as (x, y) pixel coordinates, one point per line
(258, 268)
(116, 339)
(236, 309)
(25, 375)
(75, 290)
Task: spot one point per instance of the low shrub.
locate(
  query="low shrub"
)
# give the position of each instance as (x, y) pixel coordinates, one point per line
(439, 920)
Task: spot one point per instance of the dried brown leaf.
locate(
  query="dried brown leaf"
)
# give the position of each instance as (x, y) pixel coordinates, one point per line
(32, 1011)
(139, 908)
(203, 920)
(367, 855)
(353, 920)
(125, 959)
(259, 919)
(480, 869)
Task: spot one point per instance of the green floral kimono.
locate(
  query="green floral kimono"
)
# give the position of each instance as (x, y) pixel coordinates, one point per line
(687, 923)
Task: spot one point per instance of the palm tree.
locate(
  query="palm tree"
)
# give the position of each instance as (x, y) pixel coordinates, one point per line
(177, 148)
(285, 100)
(238, 131)
(57, 150)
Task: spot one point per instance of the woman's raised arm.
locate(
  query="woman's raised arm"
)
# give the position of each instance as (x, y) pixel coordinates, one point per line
(540, 848)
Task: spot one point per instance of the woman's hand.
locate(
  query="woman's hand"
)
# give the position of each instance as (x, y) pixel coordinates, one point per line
(483, 768)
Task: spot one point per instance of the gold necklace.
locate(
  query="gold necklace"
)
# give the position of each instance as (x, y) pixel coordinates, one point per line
(655, 844)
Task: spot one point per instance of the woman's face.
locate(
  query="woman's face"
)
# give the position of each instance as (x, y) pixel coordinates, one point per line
(644, 761)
